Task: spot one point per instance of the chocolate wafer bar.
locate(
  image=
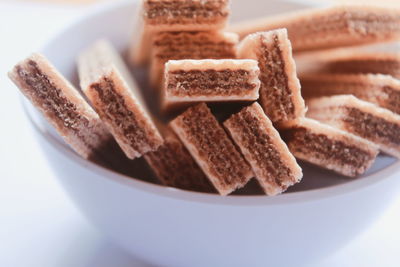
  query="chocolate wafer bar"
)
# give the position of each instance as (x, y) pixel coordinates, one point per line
(61, 104)
(193, 45)
(191, 81)
(382, 90)
(280, 94)
(336, 26)
(328, 147)
(115, 96)
(212, 149)
(174, 166)
(360, 118)
(274, 166)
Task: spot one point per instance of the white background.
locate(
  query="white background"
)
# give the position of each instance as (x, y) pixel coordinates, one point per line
(39, 227)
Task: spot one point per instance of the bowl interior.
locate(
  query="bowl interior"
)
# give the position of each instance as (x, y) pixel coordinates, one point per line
(116, 23)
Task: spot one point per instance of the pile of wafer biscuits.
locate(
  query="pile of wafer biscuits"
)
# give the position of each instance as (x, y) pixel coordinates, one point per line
(337, 114)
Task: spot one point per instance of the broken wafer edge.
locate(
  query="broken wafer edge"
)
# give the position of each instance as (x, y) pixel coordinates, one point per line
(274, 166)
(346, 112)
(280, 94)
(61, 105)
(329, 147)
(106, 82)
(351, 25)
(212, 149)
(222, 80)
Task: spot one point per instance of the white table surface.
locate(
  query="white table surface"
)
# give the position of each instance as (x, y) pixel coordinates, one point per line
(39, 227)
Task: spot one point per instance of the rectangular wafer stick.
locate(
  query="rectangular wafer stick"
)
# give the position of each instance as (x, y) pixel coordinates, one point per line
(193, 45)
(115, 96)
(191, 81)
(280, 94)
(212, 149)
(174, 166)
(331, 27)
(274, 166)
(61, 104)
(346, 112)
(328, 147)
(382, 90)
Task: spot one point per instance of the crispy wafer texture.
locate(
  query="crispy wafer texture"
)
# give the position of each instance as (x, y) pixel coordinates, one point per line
(191, 81)
(382, 90)
(328, 147)
(360, 118)
(212, 149)
(115, 96)
(61, 104)
(330, 27)
(189, 45)
(174, 166)
(274, 166)
(280, 94)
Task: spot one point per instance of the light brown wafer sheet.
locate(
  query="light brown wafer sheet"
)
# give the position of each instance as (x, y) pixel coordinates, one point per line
(280, 94)
(212, 149)
(360, 118)
(382, 90)
(328, 147)
(337, 26)
(191, 81)
(174, 166)
(61, 104)
(189, 45)
(274, 166)
(115, 96)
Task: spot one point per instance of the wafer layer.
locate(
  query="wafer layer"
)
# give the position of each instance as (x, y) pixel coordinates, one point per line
(193, 45)
(274, 166)
(280, 94)
(331, 27)
(212, 149)
(328, 147)
(115, 96)
(382, 90)
(174, 166)
(190, 81)
(360, 118)
(61, 104)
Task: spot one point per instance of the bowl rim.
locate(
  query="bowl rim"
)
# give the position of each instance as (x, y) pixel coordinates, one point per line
(185, 195)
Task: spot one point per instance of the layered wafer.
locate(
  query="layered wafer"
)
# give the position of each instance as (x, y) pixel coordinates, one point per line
(212, 149)
(360, 118)
(189, 45)
(328, 147)
(191, 81)
(115, 96)
(280, 94)
(330, 27)
(61, 104)
(174, 166)
(273, 165)
(382, 90)
(176, 15)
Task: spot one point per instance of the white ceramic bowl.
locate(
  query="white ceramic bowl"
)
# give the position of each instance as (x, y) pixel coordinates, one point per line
(171, 227)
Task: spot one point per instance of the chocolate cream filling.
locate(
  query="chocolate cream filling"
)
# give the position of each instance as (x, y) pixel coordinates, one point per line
(371, 127)
(210, 82)
(391, 67)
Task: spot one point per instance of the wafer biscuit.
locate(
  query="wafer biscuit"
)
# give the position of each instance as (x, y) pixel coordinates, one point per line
(274, 166)
(331, 27)
(61, 104)
(191, 81)
(115, 96)
(212, 149)
(280, 94)
(189, 45)
(328, 147)
(360, 118)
